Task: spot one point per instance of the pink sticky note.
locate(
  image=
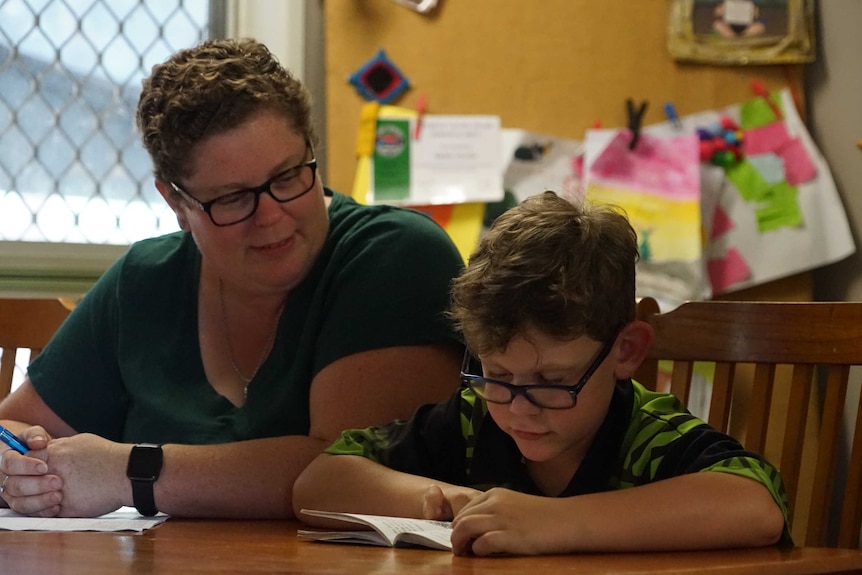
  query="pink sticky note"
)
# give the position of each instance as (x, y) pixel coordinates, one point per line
(768, 138)
(721, 223)
(798, 167)
(726, 271)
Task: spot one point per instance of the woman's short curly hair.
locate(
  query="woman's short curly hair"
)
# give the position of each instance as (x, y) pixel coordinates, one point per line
(208, 89)
(563, 269)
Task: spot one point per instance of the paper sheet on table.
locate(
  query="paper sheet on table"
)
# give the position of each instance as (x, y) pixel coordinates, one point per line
(123, 519)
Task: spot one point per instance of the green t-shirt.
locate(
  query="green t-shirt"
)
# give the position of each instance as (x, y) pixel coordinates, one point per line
(126, 364)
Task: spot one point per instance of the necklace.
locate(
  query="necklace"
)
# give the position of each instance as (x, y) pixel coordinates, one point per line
(266, 350)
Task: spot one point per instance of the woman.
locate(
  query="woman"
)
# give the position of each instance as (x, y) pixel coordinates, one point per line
(235, 350)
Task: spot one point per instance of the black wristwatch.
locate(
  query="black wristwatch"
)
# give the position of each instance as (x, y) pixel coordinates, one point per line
(145, 464)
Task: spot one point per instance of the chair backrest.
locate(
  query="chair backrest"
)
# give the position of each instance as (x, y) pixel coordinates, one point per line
(25, 324)
(790, 362)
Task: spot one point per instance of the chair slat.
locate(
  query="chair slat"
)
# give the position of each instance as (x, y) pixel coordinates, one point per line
(7, 370)
(680, 380)
(720, 401)
(794, 429)
(827, 453)
(851, 517)
(758, 409)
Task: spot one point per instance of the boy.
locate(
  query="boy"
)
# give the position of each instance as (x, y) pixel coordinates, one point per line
(550, 447)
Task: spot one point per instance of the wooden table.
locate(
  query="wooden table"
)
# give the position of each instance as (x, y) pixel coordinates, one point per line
(183, 547)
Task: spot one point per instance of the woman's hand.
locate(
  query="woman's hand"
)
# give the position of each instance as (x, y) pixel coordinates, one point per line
(26, 485)
(93, 474)
(78, 476)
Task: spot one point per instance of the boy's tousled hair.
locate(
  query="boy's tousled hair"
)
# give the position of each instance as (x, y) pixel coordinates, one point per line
(211, 88)
(564, 269)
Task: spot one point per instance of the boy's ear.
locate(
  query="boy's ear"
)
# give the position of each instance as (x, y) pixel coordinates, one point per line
(633, 343)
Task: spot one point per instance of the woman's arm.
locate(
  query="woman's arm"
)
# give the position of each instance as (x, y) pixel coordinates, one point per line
(244, 479)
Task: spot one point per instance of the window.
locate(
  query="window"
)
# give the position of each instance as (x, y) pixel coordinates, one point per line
(72, 168)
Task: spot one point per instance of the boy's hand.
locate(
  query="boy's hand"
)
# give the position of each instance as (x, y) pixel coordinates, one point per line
(501, 521)
(444, 503)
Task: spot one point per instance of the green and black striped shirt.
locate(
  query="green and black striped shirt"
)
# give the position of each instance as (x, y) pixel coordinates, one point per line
(645, 437)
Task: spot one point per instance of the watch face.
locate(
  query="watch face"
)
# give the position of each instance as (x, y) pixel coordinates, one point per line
(145, 462)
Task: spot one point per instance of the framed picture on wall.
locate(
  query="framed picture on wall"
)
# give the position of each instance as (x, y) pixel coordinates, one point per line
(740, 32)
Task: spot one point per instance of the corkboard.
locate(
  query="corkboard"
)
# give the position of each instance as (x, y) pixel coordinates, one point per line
(552, 66)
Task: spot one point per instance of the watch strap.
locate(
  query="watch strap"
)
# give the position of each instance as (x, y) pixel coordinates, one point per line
(144, 468)
(143, 497)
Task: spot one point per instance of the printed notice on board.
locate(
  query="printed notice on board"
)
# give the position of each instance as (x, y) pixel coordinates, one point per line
(454, 159)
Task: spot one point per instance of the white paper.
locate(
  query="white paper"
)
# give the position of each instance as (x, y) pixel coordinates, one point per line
(123, 519)
(538, 162)
(455, 159)
(421, 6)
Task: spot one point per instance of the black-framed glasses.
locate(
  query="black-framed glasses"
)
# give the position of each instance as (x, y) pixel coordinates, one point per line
(236, 207)
(546, 396)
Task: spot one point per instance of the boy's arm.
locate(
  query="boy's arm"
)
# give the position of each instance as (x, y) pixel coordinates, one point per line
(693, 511)
(355, 484)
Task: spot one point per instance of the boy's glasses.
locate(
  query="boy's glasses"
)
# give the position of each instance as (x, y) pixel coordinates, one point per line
(235, 207)
(546, 396)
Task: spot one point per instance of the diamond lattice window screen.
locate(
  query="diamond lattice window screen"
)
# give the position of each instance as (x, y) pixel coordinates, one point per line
(72, 168)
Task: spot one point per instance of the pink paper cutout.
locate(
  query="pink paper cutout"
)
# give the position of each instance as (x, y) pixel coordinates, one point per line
(578, 165)
(721, 223)
(768, 138)
(666, 166)
(798, 167)
(726, 271)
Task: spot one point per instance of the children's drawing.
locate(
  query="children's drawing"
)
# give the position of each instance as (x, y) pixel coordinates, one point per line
(658, 186)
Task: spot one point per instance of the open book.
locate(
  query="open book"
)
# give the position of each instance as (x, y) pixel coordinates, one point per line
(387, 531)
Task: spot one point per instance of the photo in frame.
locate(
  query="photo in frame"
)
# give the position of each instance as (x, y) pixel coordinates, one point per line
(742, 32)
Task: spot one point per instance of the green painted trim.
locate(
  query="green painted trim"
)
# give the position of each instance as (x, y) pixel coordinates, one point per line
(45, 269)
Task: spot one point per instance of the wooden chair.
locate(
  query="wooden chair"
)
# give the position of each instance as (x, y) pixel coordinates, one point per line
(25, 324)
(801, 355)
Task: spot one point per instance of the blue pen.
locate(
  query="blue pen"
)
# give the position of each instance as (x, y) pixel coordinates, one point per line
(12, 441)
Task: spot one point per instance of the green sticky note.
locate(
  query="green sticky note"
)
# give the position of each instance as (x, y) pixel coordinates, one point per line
(392, 161)
(747, 179)
(757, 112)
(779, 208)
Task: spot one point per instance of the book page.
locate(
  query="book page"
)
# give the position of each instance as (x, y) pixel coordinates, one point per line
(354, 537)
(424, 532)
(433, 538)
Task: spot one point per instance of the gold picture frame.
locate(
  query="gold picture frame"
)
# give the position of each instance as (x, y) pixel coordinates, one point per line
(742, 32)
